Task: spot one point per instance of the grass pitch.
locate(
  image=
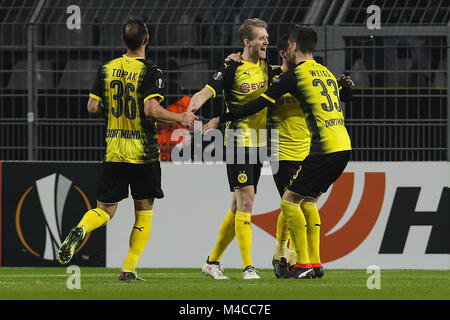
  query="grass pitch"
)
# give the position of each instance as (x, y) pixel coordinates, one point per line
(190, 284)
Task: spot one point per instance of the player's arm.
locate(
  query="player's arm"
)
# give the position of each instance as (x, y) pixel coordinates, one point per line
(94, 106)
(152, 86)
(154, 110)
(221, 79)
(199, 99)
(237, 113)
(284, 84)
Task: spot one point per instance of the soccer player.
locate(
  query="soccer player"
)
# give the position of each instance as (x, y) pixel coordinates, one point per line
(293, 144)
(316, 89)
(240, 82)
(127, 92)
(292, 147)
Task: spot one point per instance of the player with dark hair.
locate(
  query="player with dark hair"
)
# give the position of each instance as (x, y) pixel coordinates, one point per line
(293, 147)
(240, 83)
(316, 89)
(127, 92)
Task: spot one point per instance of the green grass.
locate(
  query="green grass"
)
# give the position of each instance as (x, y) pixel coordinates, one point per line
(190, 284)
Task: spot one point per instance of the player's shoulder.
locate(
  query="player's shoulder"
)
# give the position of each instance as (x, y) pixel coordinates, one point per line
(150, 66)
(232, 65)
(277, 71)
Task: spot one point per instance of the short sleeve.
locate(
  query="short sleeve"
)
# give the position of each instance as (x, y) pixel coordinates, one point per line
(223, 78)
(153, 84)
(97, 90)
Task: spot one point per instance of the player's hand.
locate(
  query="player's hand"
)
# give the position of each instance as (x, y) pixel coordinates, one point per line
(212, 124)
(234, 56)
(187, 119)
(345, 81)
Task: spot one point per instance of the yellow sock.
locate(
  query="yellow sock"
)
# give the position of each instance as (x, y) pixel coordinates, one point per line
(244, 236)
(93, 219)
(297, 230)
(138, 239)
(226, 235)
(292, 260)
(282, 237)
(312, 231)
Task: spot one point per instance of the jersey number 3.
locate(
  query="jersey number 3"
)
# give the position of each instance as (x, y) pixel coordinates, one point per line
(328, 107)
(130, 102)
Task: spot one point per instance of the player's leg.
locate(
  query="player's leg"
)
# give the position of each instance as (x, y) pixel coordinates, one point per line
(111, 189)
(92, 219)
(309, 209)
(317, 174)
(328, 169)
(282, 172)
(212, 268)
(290, 205)
(145, 185)
(244, 201)
(282, 235)
(226, 233)
(143, 213)
(247, 177)
(292, 259)
(98, 217)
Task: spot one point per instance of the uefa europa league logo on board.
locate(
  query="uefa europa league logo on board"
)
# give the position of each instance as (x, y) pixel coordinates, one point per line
(52, 192)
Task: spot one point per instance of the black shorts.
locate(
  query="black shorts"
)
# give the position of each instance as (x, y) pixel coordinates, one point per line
(240, 175)
(318, 172)
(244, 171)
(115, 178)
(283, 171)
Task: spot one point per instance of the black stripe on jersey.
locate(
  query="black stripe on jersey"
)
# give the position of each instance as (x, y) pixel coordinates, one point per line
(311, 122)
(149, 126)
(270, 124)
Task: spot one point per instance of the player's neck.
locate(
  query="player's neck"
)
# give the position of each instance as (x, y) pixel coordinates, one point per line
(139, 53)
(246, 56)
(300, 56)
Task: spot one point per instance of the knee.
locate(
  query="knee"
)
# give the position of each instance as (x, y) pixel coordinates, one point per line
(246, 204)
(284, 206)
(109, 209)
(244, 199)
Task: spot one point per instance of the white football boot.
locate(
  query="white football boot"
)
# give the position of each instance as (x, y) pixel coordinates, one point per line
(213, 270)
(250, 273)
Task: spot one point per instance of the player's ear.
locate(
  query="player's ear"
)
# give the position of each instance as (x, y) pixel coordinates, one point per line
(294, 46)
(146, 40)
(122, 38)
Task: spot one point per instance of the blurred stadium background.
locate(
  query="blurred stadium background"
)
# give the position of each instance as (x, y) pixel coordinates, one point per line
(400, 113)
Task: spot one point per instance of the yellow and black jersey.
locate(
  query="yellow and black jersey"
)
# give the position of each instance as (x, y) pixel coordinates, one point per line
(241, 83)
(123, 85)
(316, 88)
(287, 117)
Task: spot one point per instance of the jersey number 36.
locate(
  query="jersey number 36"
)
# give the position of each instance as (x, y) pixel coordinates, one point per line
(129, 102)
